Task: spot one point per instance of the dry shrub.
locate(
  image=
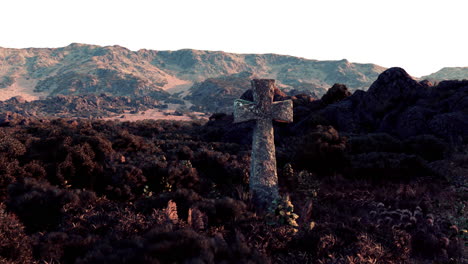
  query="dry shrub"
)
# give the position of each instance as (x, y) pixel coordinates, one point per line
(428, 147)
(322, 150)
(15, 246)
(41, 206)
(373, 142)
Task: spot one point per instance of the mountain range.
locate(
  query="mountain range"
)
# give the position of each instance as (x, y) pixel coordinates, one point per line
(81, 68)
(448, 73)
(206, 80)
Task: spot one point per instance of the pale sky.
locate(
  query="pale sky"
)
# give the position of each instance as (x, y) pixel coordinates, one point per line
(420, 36)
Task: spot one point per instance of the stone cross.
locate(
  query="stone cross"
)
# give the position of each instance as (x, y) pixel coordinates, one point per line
(263, 177)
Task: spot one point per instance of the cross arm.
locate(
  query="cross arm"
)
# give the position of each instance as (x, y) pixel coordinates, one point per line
(244, 111)
(282, 111)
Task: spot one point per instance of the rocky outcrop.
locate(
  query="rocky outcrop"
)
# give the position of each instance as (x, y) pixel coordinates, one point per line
(399, 105)
(335, 94)
(9, 118)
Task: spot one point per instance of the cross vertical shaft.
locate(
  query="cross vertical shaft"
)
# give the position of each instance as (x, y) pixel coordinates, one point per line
(263, 178)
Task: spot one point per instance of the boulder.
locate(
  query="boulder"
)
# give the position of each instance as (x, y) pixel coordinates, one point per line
(335, 94)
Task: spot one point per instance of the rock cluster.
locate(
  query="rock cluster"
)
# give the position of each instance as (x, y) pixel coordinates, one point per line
(399, 105)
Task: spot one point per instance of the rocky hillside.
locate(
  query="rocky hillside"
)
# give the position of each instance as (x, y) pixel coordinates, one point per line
(449, 73)
(89, 106)
(218, 94)
(79, 69)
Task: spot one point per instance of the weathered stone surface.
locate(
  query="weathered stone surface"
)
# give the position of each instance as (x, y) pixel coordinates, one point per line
(263, 177)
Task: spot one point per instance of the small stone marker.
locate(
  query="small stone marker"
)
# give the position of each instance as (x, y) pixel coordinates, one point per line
(263, 178)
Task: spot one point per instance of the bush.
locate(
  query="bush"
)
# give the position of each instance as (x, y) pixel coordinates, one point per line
(428, 147)
(15, 246)
(10, 146)
(136, 168)
(385, 165)
(322, 150)
(222, 168)
(41, 206)
(373, 142)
